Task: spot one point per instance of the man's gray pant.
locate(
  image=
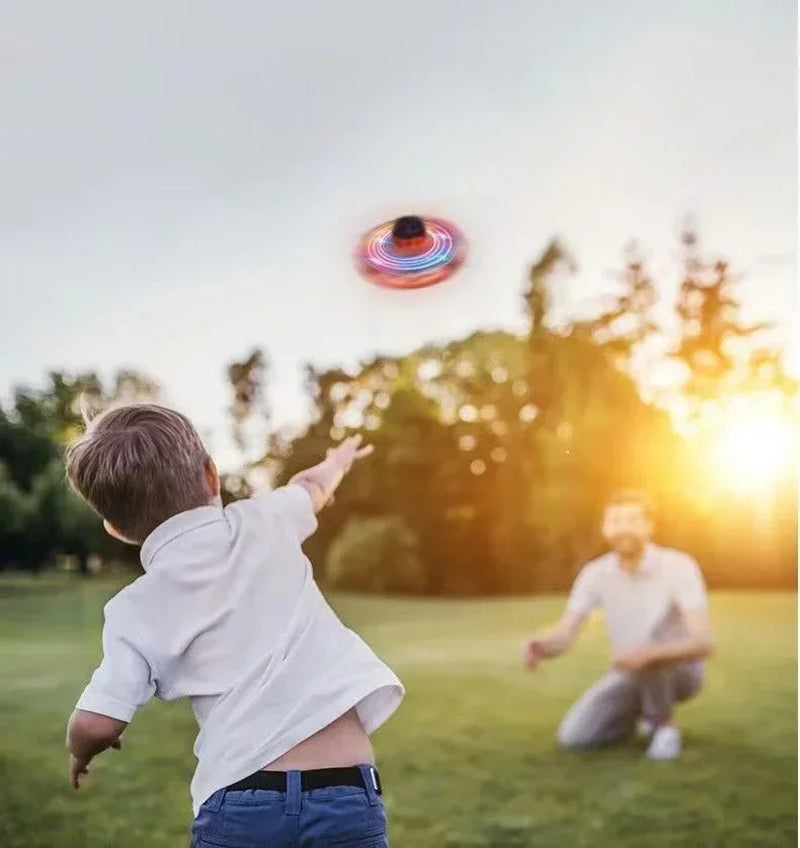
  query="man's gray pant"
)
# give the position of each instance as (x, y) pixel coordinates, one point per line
(609, 711)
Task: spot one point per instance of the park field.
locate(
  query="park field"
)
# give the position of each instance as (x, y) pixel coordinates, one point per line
(468, 762)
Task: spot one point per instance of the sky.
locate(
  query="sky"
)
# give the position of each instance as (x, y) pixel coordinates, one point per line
(182, 182)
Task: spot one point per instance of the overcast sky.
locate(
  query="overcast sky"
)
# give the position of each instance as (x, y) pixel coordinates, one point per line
(182, 181)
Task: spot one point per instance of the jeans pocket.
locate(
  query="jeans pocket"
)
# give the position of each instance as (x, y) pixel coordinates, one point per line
(348, 822)
(243, 822)
(258, 842)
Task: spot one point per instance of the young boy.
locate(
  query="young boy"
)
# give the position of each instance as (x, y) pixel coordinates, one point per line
(227, 613)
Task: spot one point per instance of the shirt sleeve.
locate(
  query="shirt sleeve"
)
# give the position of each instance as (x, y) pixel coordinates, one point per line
(690, 588)
(294, 505)
(124, 680)
(583, 598)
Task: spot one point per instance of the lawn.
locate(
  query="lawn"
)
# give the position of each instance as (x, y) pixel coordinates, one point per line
(469, 760)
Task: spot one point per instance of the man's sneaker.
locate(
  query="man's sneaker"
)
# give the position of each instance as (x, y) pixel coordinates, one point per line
(665, 744)
(645, 729)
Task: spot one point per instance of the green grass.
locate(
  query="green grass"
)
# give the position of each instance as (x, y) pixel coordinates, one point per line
(469, 760)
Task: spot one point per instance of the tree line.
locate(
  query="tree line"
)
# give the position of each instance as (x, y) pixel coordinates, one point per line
(494, 453)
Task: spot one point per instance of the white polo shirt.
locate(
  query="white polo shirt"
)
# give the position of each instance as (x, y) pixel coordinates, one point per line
(647, 605)
(228, 614)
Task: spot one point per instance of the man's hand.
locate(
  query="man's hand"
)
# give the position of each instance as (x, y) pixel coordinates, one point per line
(634, 660)
(79, 766)
(699, 643)
(555, 642)
(535, 650)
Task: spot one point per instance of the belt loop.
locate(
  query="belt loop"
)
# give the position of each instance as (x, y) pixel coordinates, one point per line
(293, 793)
(372, 784)
(214, 803)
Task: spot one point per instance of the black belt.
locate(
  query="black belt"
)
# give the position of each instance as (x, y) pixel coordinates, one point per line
(314, 779)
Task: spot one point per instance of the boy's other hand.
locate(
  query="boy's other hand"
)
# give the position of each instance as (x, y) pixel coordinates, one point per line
(79, 766)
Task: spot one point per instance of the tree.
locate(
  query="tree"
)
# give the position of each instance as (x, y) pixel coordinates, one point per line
(628, 323)
(493, 449)
(375, 555)
(42, 518)
(248, 382)
(710, 327)
(726, 367)
(494, 452)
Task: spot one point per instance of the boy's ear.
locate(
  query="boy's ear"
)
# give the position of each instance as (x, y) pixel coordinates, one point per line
(212, 478)
(112, 531)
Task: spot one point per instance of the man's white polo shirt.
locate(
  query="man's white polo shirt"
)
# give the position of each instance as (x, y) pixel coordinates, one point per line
(228, 614)
(646, 605)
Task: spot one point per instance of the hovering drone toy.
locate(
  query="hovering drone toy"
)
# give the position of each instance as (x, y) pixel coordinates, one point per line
(411, 252)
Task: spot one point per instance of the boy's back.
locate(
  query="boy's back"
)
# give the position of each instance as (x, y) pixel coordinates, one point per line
(228, 614)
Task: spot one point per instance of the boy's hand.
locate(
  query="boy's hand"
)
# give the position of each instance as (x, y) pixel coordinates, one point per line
(322, 480)
(79, 766)
(345, 454)
(341, 459)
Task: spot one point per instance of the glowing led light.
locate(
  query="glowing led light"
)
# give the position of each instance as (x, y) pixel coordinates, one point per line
(379, 260)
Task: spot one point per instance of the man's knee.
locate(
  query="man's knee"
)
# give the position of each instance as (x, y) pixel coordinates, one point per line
(690, 682)
(680, 679)
(572, 734)
(601, 716)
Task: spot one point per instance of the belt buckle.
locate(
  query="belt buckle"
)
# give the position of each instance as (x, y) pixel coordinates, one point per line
(376, 782)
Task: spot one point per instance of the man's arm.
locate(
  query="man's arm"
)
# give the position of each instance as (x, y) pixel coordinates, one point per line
(583, 598)
(691, 599)
(559, 640)
(699, 642)
(322, 480)
(89, 734)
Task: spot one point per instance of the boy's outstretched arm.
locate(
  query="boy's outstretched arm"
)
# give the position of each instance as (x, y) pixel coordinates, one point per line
(89, 734)
(321, 480)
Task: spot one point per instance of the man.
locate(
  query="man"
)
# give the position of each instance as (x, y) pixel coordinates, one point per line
(655, 607)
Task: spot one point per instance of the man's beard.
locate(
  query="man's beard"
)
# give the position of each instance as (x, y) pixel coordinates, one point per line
(628, 545)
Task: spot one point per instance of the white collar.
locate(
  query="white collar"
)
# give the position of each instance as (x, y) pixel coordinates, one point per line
(176, 526)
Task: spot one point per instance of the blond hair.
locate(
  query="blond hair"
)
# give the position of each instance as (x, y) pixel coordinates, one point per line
(138, 465)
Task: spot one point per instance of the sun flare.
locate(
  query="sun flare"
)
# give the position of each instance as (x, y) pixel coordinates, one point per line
(752, 447)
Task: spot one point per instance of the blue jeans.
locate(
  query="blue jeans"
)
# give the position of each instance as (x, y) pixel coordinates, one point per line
(343, 816)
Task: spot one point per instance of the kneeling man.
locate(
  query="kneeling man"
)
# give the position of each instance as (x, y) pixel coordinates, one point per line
(655, 607)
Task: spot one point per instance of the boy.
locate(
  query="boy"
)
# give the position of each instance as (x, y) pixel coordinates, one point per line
(227, 614)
